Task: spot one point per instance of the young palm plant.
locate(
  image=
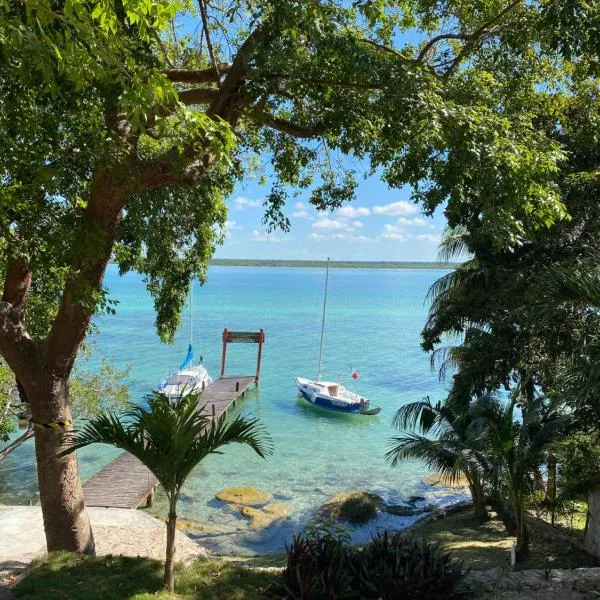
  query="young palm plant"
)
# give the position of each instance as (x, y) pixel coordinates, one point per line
(170, 441)
(514, 448)
(453, 451)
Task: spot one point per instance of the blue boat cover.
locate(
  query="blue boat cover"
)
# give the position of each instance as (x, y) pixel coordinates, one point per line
(188, 359)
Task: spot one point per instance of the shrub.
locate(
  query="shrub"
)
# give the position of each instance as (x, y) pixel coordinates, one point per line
(399, 566)
(324, 566)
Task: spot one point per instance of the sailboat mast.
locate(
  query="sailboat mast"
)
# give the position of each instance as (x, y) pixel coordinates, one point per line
(323, 320)
(191, 300)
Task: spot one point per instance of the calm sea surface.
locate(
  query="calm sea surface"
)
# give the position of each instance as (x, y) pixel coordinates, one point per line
(373, 322)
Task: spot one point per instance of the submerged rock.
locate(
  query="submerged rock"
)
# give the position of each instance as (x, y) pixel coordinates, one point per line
(244, 496)
(355, 507)
(403, 510)
(191, 526)
(261, 518)
(415, 499)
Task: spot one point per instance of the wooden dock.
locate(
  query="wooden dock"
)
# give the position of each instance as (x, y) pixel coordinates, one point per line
(127, 483)
(123, 483)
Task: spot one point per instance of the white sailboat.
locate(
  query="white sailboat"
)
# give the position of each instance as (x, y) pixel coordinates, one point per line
(189, 377)
(329, 394)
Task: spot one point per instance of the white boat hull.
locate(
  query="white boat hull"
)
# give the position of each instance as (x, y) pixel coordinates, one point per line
(184, 382)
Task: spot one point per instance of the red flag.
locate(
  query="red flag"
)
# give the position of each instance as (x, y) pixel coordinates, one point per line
(354, 374)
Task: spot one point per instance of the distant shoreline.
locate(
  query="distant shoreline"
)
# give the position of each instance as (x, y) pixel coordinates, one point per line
(335, 264)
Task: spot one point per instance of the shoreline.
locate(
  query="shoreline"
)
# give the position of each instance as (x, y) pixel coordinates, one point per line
(334, 264)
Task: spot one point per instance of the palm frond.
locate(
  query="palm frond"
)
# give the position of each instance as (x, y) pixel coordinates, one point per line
(421, 415)
(454, 244)
(170, 440)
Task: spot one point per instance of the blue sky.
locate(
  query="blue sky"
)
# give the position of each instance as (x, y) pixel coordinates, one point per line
(381, 224)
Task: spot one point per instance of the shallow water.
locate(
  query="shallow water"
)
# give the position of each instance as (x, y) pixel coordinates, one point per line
(373, 322)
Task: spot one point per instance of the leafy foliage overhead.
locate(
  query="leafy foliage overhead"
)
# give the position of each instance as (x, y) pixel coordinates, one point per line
(464, 102)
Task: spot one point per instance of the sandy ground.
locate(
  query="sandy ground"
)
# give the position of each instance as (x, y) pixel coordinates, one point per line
(116, 531)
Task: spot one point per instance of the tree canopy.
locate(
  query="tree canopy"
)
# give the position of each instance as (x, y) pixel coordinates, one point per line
(449, 98)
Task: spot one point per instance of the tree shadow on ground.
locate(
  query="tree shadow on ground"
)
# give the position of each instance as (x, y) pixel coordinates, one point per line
(64, 575)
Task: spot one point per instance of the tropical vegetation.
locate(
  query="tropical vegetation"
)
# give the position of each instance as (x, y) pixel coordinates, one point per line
(171, 440)
(115, 122)
(322, 565)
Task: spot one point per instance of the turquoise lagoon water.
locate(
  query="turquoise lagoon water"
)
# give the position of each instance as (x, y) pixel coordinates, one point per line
(373, 322)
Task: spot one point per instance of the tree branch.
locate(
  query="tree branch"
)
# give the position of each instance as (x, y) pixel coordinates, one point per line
(16, 443)
(18, 348)
(478, 34)
(94, 240)
(201, 76)
(16, 282)
(440, 38)
(346, 85)
(168, 169)
(288, 127)
(470, 39)
(198, 96)
(209, 45)
(226, 105)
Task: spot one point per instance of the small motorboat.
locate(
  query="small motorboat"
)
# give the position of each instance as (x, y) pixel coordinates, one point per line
(334, 396)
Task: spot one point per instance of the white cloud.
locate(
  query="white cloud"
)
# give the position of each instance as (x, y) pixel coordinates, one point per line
(316, 237)
(395, 209)
(350, 238)
(351, 212)
(331, 224)
(394, 232)
(357, 224)
(299, 206)
(302, 214)
(231, 225)
(428, 237)
(416, 221)
(242, 203)
(260, 236)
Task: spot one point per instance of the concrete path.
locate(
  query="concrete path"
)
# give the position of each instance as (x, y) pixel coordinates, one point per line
(119, 531)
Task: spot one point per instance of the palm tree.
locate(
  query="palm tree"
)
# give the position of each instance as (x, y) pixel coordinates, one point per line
(514, 447)
(453, 452)
(578, 288)
(170, 441)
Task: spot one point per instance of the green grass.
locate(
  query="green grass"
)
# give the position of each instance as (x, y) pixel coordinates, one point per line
(63, 575)
(334, 264)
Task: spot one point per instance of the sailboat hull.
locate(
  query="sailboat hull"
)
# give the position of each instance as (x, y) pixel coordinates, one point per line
(317, 393)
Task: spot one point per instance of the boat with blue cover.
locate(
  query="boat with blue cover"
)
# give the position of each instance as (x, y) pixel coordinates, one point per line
(189, 377)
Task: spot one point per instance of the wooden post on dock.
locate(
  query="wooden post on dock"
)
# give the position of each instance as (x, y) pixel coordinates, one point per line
(260, 345)
(224, 354)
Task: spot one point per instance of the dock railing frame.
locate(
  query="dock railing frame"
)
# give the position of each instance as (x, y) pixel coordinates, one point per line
(243, 337)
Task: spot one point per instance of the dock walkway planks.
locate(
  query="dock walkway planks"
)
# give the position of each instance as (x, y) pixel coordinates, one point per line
(126, 482)
(123, 483)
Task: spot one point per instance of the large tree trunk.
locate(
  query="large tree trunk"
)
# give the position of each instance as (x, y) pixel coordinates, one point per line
(169, 578)
(506, 515)
(43, 367)
(479, 502)
(592, 533)
(66, 523)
